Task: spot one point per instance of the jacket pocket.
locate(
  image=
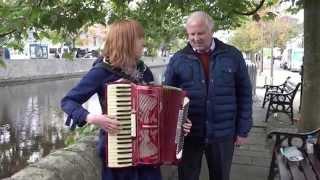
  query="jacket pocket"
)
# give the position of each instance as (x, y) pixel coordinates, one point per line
(185, 73)
(228, 75)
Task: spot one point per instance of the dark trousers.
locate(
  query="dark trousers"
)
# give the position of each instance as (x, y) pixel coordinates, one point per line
(219, 158)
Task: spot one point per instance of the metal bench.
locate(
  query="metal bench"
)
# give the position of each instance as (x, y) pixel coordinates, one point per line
(273, 89)
(281, 99)
(306, 169)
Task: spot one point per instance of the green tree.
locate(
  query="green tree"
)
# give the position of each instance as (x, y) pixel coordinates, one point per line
(163, 19)
(254, 36)
(248, 38)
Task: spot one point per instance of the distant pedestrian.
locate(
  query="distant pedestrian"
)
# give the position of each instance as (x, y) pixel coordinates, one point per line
(6, 53)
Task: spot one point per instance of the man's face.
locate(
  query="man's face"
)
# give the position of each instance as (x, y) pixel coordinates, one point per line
(199, 35)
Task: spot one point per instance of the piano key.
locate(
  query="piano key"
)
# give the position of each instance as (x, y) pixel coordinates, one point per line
(119, 149)
(115, 155)
(124, 134)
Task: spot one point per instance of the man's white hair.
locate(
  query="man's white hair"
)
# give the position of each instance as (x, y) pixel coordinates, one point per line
(202, 16)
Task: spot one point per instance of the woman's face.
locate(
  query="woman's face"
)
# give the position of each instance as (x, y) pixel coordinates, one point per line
(139, 48)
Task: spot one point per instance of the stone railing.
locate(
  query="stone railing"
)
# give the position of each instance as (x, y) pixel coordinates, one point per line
(78, 161)
(27, 70)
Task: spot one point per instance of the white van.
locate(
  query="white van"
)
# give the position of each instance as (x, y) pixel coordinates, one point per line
(292, 59)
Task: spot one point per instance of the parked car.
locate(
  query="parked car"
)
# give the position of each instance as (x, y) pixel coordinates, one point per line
(91, 54)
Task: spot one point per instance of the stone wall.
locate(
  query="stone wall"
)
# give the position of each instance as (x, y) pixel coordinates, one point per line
(76, 162)
(40, 69)
(33, 69)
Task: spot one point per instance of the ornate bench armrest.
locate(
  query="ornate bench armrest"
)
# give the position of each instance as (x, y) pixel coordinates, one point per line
(281, 136)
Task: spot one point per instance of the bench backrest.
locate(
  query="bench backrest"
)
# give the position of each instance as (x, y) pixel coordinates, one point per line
(286, 81)
(291, 87)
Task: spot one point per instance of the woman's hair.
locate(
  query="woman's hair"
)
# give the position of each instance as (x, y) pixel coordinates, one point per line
(120, 45)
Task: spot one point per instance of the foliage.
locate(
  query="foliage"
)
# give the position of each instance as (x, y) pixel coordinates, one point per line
(279, 31)
(2, 63)
(254, 36)
(296, 6)
(79, 133)
(163, 20)
(248, 38)
(65, 17)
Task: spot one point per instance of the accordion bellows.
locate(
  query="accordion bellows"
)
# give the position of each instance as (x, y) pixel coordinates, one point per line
(151, 119)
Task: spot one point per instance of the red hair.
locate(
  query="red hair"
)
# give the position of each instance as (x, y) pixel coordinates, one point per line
(120, 43)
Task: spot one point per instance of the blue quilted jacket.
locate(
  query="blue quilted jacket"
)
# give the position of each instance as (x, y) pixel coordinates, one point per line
(220, 107)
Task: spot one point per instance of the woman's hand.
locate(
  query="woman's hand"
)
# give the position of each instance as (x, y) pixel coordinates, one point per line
(109, 123)
(187, 127)
(122, 80)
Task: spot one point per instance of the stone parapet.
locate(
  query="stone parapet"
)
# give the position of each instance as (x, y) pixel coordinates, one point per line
(22, 71)
(78, 161)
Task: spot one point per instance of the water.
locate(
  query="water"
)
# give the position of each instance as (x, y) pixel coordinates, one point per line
(31, 122)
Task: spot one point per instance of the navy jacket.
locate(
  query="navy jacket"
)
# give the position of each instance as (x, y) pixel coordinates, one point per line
(222, 106)
(94, 82)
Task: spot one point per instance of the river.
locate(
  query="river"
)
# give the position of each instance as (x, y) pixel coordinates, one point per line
(32, 123)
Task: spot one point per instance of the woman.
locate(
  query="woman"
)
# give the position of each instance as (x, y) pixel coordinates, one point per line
(123, 48)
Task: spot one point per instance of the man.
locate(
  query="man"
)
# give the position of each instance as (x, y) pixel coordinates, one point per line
(215, 77)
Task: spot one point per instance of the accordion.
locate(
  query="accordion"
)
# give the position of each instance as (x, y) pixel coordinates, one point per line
(151, 119)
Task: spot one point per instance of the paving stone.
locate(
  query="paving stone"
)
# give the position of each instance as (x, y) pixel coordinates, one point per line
(245, 172)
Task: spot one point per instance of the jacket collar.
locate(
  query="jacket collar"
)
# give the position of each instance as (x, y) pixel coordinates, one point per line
(220, 47)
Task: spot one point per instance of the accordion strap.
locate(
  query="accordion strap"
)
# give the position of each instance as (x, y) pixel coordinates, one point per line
(117, 71)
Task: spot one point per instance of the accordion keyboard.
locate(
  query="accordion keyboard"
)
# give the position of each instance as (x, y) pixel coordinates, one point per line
(120, 144)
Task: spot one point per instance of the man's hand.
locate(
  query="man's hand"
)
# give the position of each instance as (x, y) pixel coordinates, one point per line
(187, 127)
(241, 141)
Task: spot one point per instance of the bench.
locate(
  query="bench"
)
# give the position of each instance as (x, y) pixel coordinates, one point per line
(306, 169)
(272, 89)
(281, 98)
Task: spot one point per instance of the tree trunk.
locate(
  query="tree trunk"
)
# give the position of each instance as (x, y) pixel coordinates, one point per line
(310, 110)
